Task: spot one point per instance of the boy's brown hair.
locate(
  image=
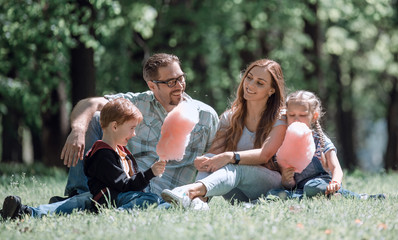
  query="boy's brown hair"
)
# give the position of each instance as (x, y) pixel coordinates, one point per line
(119, 110)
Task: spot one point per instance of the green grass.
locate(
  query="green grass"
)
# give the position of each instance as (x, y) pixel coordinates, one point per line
(319, 218)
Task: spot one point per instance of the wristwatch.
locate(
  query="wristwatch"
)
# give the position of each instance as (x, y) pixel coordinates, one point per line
(236, 157)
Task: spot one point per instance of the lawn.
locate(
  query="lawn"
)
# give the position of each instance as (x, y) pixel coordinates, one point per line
(319, 218)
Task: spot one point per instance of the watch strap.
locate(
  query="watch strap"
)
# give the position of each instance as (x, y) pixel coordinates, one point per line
(236, 158)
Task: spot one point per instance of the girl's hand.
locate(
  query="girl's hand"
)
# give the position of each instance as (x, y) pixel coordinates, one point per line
(333, 187)
(288, 181)
(214, 163)
(158, 167)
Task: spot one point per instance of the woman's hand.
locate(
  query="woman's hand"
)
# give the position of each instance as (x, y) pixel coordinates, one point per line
(198, 163)
(206, 164)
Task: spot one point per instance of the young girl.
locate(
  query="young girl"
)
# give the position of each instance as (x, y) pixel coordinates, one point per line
(323, 175)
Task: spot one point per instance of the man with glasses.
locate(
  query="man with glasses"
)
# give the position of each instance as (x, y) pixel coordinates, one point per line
(172, 81)
(166, 81)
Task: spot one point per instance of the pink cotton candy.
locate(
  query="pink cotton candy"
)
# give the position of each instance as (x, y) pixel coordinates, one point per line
(297, 148)
(176, 131)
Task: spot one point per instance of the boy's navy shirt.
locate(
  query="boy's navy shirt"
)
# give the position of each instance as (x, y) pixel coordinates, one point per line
(103, 168)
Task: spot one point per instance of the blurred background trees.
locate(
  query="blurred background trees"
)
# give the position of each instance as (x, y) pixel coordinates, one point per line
(54, 53)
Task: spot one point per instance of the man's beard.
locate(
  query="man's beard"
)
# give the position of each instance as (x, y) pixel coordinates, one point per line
(175, 103)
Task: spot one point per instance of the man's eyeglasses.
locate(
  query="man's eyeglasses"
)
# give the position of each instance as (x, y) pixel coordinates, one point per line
(173, 81)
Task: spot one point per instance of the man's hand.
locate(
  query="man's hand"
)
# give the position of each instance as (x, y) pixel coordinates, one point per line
(73, 149)
(80, 118)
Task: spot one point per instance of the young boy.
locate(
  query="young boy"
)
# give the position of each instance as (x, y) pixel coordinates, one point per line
(111, 169)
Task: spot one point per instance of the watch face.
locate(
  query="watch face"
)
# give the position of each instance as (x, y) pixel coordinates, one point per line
(236, 157)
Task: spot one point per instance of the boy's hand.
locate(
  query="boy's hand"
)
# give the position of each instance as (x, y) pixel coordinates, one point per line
(332, 187)
(158, 167)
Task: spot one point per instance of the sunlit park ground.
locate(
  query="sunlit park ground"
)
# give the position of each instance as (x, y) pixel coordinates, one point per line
(319, 218)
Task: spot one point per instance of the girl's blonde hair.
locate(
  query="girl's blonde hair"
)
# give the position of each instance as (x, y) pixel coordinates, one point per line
(275, 102)
(315, 106)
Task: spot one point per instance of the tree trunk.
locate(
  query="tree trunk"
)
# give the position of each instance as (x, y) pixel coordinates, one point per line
(344, 120)
(82, 73)
(11, 139)
(313, 75)
(391, 158)
(82, 68)
(55, 126)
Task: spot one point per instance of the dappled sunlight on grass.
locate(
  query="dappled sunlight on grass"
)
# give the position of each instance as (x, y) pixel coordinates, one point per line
(318, 218)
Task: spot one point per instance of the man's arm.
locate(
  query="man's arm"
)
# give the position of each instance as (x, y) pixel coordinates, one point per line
(81, 115)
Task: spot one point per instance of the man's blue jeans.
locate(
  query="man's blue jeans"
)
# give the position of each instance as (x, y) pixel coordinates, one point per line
(77, 181)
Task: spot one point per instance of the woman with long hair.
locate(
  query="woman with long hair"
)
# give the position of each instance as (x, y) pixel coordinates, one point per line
(249, 134)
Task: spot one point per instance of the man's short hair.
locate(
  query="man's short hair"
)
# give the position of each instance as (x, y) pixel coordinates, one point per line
(153, 63)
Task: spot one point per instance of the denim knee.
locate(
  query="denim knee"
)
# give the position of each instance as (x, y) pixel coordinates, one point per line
(129, 200)
(315, 187)
(280, 193)
(148, 199)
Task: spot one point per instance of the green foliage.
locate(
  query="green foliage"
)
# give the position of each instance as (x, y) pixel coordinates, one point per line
(319, 218)
(358, 32)
(34, 43)
(215, 41)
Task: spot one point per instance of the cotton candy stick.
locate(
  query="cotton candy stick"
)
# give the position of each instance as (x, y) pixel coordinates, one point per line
(297, 148)
(176, 131)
